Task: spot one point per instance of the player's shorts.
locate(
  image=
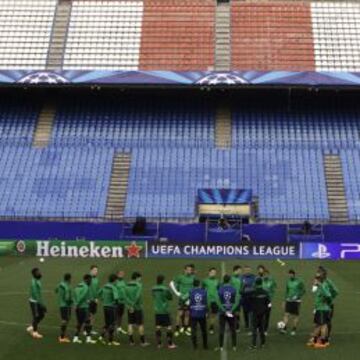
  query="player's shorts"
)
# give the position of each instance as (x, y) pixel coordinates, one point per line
(38, 311)
(65, 313)
(183, 306)
(109, 315)
(82, 315)
(214, 308)
(136, 317)
(120, 309)
(163, 320)
(321, 317)
(93, 307)
(292, 308)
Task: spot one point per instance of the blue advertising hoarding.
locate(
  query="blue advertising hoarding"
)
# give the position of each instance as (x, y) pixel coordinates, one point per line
(330, 251)
(235, 250)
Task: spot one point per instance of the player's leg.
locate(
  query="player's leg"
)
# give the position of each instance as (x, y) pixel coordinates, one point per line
(65, 314)
(88, 327)
(261, 328)
(254, 331)
(214, 309)
(187, 326)
(92, 313)
(267, 320)
(80, 320)
(131, 324)
(179, 319)
(170, 336)
(222, 325)
(329, 325)
(139, 315)
(203, 329)
(194, 332)
(120, 309)
(112, 326)
(232, 327)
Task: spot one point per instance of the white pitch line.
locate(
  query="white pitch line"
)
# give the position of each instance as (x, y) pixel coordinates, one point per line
(224, 353)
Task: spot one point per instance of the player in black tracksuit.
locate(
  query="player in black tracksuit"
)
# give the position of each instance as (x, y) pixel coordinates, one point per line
(260, 302)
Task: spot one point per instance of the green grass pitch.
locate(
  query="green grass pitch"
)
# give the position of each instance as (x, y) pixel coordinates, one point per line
(14, 313)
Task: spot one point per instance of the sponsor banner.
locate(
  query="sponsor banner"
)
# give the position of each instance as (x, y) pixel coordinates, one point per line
(75, 249)
(330, 251)
(192, 78)
(246, 251)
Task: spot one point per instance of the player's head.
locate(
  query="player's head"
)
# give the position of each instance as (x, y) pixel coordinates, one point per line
(36, 273)
(261, 270)
(321, 271)
(94, 270)
(192, 266)
(212, 272)
(87, 279)
(67, 277)
(292, 274)
(112, 278)
(226, 279)
(318, 279)
(188, 269)
(258, 282)
(237, 270)
(247, 269)
(136, 276)
(160, 279)
(196, 283)
(120, 274)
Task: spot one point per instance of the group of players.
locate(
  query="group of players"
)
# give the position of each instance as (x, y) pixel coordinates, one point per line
(200, 304)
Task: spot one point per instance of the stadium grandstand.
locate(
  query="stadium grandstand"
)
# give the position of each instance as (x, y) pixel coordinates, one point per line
(106, 152)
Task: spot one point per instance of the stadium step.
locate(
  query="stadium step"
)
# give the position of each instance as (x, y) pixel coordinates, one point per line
(336, 195)
(43, 130)
(223, 126)
(117, 194)
(58, 35)
(222, 37)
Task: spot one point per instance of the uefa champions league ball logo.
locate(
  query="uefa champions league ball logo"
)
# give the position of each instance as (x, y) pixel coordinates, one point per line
(20, 246)
(222, 79)
(43, 77)
(198, 298)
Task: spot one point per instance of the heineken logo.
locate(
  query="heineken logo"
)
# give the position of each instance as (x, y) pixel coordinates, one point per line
(91, 249)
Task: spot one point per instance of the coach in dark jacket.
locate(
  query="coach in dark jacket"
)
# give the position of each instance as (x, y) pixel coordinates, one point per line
(260, 302)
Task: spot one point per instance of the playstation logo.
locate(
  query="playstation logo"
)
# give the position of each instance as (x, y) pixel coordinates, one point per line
(321, 253)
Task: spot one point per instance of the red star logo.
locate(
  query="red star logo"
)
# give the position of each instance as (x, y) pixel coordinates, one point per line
(133, 250)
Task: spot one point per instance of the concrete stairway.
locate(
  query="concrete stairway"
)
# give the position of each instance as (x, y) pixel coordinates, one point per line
(44, 125)
(223, 127)
(335, 189)
(223, 37)
(59, 33)
(117, 195)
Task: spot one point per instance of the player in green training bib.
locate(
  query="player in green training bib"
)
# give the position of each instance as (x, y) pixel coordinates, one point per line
(323, 300)
(82, 300)
(162, 296)
(94, 292)
(236, 282)
(211, 285)
(295, 290)
(65, 301)
(334, 292)
(120, 285)
(268, 284)
(135, 306)
(38, 308)
(109, 296)
(181, 286)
